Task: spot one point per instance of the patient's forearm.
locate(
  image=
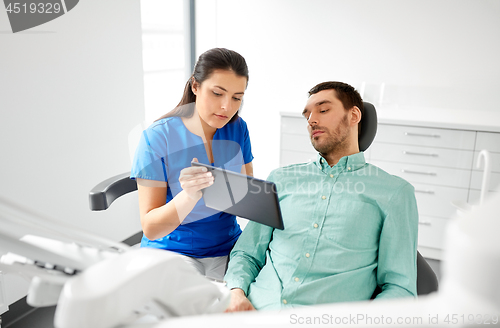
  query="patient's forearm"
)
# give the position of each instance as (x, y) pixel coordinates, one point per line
(162, 220)
(393, 291)
(248, 256)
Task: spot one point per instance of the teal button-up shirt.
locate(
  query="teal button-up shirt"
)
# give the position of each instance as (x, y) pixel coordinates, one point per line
(348, 228)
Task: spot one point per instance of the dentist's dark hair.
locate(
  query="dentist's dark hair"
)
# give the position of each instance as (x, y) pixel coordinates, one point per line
(208, 62)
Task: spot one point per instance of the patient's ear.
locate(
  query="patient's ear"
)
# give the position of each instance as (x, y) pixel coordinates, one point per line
(355, 116)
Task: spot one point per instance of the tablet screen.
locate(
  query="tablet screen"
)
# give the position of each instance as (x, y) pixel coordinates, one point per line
(243, 196)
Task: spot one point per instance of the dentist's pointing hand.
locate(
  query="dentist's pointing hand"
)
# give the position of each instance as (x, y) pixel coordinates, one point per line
(193, 179)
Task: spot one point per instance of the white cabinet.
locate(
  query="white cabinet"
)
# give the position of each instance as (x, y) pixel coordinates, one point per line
(428, 137)
(421, 155)
(439, 162)
(441, 165)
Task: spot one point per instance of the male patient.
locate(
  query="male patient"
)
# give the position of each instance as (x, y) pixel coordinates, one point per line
(349, 226)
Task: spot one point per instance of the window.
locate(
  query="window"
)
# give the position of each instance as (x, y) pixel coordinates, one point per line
(167, 53)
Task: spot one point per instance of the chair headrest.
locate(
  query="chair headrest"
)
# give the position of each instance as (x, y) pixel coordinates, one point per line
(368, 126)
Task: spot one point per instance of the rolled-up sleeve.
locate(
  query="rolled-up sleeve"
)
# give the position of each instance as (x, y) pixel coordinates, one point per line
(397, 257)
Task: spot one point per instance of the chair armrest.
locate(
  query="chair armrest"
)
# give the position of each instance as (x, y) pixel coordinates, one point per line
(427, 281)
(105, 193)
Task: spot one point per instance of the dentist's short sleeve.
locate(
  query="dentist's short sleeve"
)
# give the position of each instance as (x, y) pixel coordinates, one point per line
(247, 146)
(149, 161)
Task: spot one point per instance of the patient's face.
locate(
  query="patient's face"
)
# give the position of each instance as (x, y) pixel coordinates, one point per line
(219, 97)
(328, 122)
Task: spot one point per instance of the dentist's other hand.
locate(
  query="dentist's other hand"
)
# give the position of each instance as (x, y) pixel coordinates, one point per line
(193, 179)
(239, 302)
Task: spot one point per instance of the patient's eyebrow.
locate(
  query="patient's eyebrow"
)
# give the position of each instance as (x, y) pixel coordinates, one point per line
(322, 102)
(319, 103)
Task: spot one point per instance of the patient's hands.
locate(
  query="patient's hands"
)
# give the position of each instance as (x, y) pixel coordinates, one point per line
(239, 302)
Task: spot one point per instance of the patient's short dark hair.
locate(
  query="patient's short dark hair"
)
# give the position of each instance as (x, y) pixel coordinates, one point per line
(349, 96)
(345, 93)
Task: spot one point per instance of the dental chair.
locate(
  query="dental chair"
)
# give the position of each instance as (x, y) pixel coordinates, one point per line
(106, 192)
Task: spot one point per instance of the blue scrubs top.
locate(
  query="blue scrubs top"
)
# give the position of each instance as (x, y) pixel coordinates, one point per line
(167, 147)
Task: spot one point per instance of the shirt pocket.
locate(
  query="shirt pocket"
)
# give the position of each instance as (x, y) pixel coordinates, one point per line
(354, 225)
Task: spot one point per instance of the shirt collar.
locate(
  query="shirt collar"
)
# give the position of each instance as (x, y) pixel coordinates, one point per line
(347, 163)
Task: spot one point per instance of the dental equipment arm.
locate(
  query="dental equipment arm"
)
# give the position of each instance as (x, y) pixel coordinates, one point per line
(96, 282)
(46, 251)
(22, 219)
(48, 263)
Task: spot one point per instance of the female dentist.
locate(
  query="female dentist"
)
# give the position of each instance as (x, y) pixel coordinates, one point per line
(204, 127)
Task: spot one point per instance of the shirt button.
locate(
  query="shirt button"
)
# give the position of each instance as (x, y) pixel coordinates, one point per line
(315, 225)
(307, 254)
(296, 279)
(323, 197)
(349, 168)
(331, 175)
(284, 302)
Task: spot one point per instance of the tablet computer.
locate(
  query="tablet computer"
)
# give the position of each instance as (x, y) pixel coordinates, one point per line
(243, 196)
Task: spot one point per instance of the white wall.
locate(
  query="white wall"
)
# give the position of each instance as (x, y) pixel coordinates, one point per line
(70, 91)
(429, 53)
(164, 55)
